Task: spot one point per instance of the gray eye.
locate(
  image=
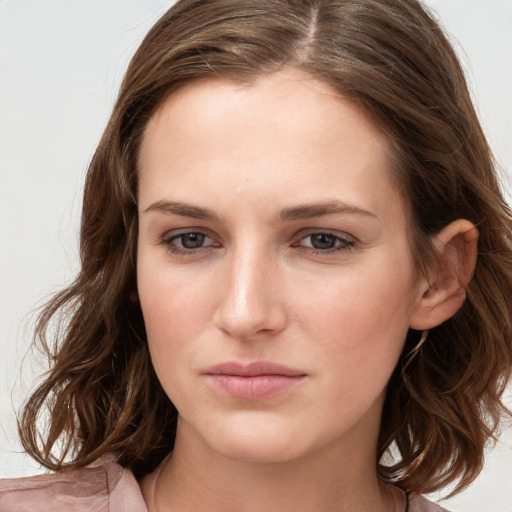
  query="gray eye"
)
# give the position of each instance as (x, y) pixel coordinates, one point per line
(191, 240)
(323, 241)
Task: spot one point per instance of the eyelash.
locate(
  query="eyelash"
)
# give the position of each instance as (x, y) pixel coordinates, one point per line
(344, 244)
(168, 240)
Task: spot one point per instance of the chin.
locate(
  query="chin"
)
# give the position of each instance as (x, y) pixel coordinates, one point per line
(256, 450)
(249, 438)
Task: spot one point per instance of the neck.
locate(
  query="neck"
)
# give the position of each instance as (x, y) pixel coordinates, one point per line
(340, 478)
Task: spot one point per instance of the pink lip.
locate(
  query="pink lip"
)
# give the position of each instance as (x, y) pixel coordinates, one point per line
(255, 381)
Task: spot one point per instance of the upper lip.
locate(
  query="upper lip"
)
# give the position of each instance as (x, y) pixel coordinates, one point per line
(253, 369)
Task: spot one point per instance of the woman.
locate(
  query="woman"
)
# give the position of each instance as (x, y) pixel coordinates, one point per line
(279, 274)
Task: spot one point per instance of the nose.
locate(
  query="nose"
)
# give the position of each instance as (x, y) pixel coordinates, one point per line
(251, 302)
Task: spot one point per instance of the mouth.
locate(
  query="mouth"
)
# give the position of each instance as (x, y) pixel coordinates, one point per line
(256, 381)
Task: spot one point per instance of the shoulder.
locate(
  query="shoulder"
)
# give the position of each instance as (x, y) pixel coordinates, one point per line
(106, 487)
(418, 503)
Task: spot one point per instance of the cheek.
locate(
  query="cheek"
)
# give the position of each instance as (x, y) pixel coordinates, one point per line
(360, 319)
(176, 308)
(358, 301)
(168, 326)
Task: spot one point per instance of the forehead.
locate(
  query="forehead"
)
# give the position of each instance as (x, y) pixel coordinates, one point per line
(285, 133)
(287, 97)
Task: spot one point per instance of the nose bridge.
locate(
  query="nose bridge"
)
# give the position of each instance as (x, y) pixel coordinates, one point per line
(250, 301)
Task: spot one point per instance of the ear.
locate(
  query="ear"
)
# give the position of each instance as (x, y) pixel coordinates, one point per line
(442, 292)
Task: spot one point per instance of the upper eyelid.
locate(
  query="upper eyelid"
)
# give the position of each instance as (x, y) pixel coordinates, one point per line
(304, 232)
(343, 235)
(178, 235)
(173, 233)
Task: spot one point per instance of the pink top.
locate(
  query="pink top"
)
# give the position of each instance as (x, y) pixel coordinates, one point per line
(104, 488)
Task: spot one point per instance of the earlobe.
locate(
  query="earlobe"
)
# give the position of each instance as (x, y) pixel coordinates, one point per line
(442, 292)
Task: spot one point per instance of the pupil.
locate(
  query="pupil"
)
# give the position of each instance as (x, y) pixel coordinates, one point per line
(322, 241)
(192, 240)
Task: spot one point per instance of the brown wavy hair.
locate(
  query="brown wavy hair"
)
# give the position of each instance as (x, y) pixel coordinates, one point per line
(392, 59)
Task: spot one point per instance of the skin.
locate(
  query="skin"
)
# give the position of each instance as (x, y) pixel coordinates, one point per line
(302, 259)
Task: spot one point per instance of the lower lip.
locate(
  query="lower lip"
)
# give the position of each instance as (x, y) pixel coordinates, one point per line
(255, 387)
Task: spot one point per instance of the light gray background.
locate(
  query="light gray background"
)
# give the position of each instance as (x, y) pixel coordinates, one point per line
(61, 63)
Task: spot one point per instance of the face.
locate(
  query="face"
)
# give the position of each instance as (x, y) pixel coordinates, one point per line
(274, 270)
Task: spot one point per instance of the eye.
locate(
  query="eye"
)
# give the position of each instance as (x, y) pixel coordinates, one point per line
(188, 241)
(325, 242)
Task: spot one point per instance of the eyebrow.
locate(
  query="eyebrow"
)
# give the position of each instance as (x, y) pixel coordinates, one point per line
(183, 209)
(308, 211)
(299, 212)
